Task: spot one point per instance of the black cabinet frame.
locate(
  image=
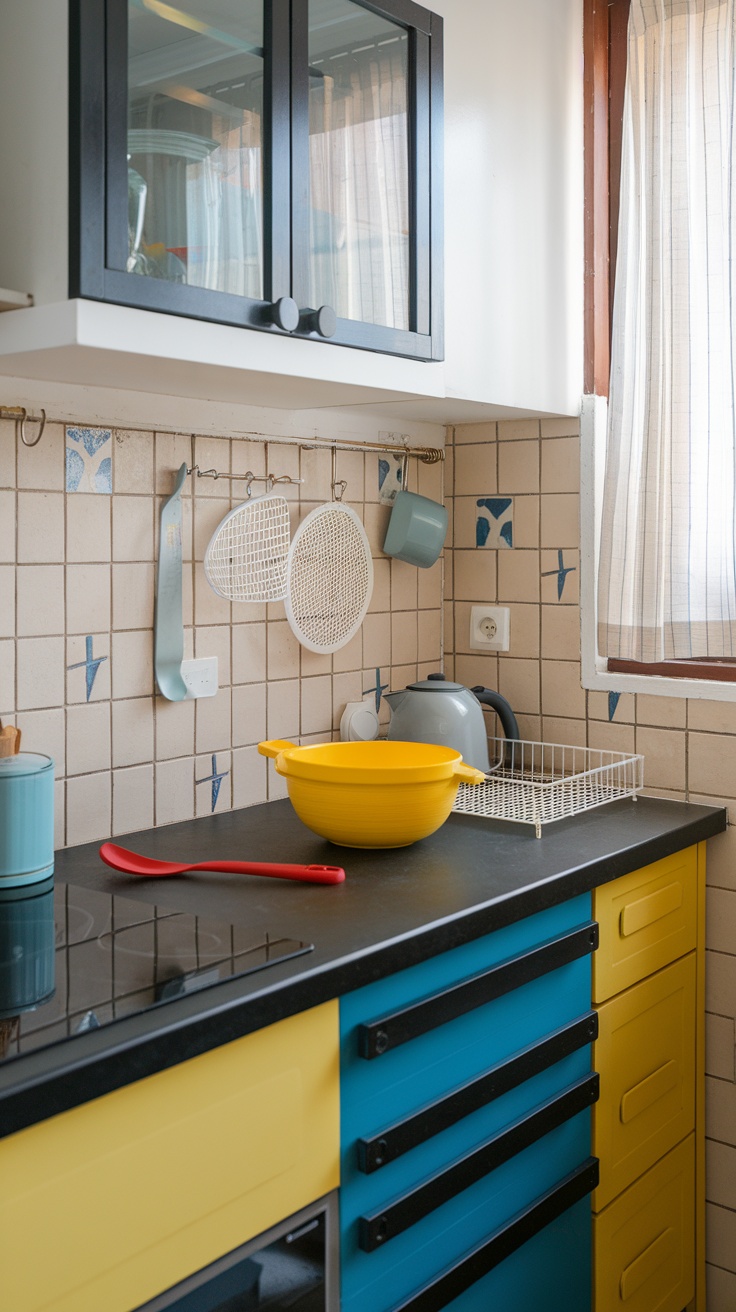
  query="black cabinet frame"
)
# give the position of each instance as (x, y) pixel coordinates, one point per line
(98, 79)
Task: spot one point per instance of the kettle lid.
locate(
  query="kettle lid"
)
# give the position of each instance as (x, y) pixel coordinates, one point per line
(435, 685)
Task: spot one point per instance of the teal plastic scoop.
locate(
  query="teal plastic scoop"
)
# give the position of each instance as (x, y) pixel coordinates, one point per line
(168, 640)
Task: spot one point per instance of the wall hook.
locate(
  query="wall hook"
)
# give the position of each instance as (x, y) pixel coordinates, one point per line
(339, 485)
(22, 417)
(269, 479)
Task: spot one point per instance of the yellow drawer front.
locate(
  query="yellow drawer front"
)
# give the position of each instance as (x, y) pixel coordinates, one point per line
(645, 1056)
(646, 919)
(644, 1243)
(110, 1203)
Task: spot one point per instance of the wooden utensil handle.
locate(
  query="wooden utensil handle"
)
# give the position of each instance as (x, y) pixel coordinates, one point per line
(9, 740)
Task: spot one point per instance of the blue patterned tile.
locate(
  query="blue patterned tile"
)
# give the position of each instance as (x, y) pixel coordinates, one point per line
(90, 665)
(89, 460)
(613, 699)
(215, 779)
(494, 523)
(562, 572)
(378, 689)
(390, 478)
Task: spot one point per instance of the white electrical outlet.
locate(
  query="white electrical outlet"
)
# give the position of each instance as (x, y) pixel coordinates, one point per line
(489, 628)
(200, 676)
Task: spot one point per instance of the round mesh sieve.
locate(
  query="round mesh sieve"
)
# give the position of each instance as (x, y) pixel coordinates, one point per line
(329, 578)
(247, 554)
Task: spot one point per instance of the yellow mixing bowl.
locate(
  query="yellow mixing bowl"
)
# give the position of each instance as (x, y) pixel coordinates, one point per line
(379, 794)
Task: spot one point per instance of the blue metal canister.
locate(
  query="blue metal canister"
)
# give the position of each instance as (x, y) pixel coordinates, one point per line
(27, 946)
(26, 819)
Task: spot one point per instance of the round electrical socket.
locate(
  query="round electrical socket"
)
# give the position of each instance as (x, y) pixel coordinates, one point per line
(489, 628)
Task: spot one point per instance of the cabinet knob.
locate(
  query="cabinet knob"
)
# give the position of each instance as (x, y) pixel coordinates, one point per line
(284, 313)
(322, 321)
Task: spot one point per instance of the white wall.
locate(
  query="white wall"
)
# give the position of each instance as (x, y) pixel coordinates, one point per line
(514, 201)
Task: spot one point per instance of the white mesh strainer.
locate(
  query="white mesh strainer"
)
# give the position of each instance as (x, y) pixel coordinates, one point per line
(247, 553)
(329, 578)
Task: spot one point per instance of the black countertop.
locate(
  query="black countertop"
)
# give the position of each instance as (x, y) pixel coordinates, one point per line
(397, 907)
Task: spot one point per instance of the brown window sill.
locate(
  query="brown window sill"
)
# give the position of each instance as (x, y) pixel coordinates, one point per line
(714, 667)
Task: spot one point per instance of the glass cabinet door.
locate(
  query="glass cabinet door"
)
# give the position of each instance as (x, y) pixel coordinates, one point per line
(359, 214)
(194, 144)
(179, 157)
(271, 164)
(366, 173)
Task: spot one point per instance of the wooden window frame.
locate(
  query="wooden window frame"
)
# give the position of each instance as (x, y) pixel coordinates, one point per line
(604, 35)
(604, 42)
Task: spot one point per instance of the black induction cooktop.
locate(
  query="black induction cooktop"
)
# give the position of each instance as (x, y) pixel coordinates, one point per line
(73, 959)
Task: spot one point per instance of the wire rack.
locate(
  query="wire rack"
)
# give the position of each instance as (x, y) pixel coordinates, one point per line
(246, 556)
(329, 578)
(536, 783)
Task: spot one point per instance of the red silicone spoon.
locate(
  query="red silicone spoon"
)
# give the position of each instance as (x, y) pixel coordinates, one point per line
(133, 864)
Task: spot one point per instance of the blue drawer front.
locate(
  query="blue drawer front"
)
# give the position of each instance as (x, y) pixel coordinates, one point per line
(365, 1193)
(378, 1281)
(393, 1216)
(551, 1273)
(448, 967)
(376, 1093)
(456, 1051)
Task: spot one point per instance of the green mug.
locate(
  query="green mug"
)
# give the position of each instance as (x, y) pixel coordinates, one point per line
(416, 530)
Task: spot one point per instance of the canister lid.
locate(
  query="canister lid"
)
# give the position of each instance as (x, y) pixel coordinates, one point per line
(24, 763)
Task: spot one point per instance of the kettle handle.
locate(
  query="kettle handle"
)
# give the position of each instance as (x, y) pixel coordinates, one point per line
(487, 697)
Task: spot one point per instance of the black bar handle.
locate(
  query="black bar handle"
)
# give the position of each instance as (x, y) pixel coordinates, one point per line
(394, 1140)
(470, 1268)
(395, 1028)
(375, 1230)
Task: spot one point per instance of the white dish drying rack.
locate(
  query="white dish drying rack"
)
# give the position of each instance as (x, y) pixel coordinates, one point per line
(536, 783)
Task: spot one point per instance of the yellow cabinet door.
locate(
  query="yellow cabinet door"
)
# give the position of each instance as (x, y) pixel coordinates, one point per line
(644, 1242)
(645, 1055)
(646, 919)
(107, 1205)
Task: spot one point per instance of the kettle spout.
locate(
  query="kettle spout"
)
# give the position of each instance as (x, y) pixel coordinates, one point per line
(394, 699)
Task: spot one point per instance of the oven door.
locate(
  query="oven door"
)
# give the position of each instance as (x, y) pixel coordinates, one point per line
(293, 1265)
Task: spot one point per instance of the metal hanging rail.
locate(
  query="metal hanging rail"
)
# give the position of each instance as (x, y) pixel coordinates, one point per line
(429, 455)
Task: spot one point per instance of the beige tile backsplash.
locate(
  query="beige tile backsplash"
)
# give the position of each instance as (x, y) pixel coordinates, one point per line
(689, 746)
(77, 581)
(518, 467)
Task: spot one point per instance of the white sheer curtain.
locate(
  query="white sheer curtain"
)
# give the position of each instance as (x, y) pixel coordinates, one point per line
(359, 181)
(667, 582)
(224, 216)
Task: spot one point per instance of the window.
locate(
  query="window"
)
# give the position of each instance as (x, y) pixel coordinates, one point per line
(667, 588)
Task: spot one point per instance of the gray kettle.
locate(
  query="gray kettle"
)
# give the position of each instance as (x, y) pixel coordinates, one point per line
(436, 711)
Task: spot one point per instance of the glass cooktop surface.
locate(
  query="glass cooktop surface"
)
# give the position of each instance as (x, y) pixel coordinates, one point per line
(74, 959)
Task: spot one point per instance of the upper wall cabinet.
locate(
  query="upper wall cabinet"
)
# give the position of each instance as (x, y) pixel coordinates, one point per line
(225, 156)
(268, 164)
